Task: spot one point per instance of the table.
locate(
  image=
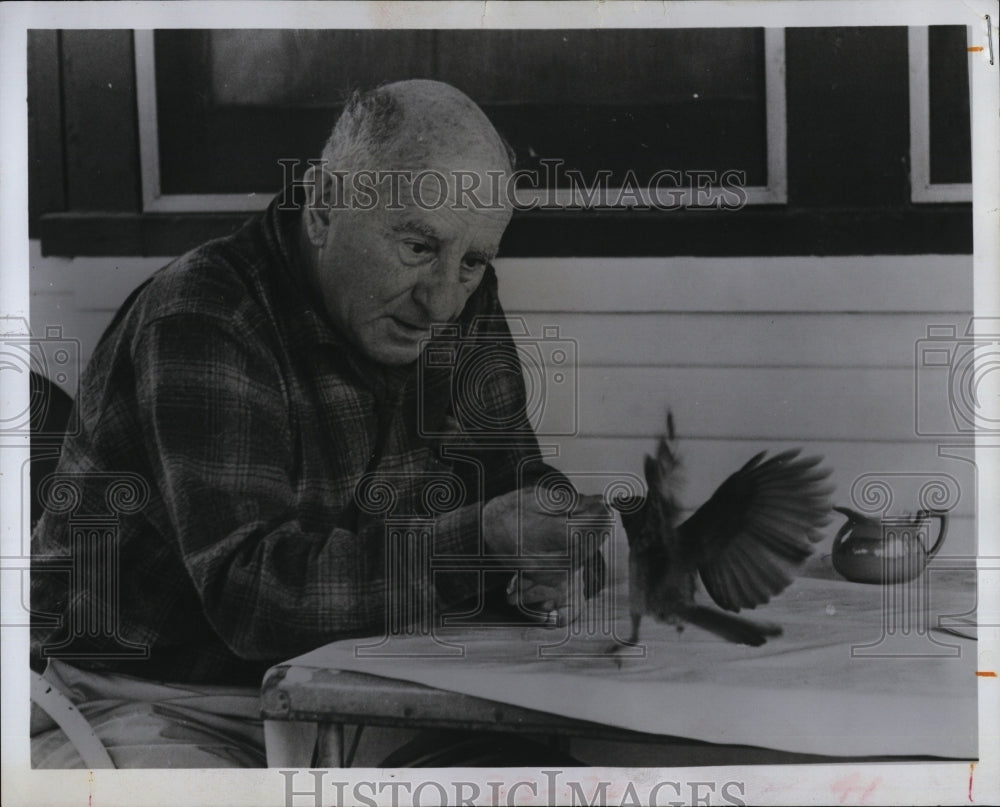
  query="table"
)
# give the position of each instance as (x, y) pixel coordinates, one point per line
(860, 672)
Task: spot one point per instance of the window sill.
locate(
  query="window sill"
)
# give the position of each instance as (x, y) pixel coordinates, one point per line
(925, 229)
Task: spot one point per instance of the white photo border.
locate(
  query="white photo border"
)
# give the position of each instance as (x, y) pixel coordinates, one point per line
(913, 783)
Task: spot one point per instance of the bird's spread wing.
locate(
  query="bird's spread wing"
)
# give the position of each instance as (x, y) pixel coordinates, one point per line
(748, 539)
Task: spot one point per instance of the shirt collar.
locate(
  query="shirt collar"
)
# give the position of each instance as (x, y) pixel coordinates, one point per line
(282, 224)
(307, 323)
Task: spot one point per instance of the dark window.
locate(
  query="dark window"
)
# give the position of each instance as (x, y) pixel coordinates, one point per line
(232, 103)
(948, 90)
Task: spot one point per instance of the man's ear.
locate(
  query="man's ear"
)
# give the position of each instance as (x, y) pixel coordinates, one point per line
(319, 203)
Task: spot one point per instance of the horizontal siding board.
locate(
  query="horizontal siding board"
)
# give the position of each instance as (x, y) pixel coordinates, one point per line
(875, 283)
(103, 284)
(863, 284)
(712, 368)
(748, 402)
(724, 340)
(52, 309)
(590, 461)
(82, 329)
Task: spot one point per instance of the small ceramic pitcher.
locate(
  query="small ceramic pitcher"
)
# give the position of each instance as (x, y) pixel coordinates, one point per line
(889, 550)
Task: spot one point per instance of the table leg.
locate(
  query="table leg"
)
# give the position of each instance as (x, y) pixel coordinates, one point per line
(290, 744)
(329, 751)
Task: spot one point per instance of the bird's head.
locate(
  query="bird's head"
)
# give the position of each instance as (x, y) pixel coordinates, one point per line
(663, 474)
(641, 516)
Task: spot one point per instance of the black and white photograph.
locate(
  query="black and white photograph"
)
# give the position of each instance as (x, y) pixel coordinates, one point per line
(580, 402)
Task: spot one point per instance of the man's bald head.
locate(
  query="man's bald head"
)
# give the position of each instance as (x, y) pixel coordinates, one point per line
(412, 210)
(415, 124)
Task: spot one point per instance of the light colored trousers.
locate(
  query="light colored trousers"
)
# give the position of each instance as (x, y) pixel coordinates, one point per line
(146, 724)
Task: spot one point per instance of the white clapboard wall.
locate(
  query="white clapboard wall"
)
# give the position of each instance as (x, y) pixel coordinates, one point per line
(749, 353)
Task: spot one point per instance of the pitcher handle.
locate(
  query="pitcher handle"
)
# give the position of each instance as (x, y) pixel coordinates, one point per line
(847, 526)
(942, 517)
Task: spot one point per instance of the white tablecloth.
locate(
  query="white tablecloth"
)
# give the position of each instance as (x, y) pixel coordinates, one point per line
(843, 680)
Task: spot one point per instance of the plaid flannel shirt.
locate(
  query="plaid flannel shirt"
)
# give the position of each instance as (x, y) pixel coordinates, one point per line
(221, 385)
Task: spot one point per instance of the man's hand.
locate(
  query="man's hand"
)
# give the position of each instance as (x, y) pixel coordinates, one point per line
(545, 595)
(516, 524)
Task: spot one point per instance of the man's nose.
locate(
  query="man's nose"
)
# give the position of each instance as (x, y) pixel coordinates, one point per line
(439, 289)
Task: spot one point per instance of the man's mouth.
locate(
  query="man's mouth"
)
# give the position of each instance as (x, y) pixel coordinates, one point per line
(410, 329)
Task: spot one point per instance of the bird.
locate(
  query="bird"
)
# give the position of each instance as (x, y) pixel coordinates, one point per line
(745, 542)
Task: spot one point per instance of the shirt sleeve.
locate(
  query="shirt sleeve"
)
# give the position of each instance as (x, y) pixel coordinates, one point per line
(501, 452)
(216, 425)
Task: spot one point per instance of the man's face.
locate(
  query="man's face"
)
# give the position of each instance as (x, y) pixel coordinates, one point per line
(387, 275)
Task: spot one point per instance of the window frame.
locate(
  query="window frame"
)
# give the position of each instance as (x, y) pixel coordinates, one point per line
(922, 190)
(775, 192)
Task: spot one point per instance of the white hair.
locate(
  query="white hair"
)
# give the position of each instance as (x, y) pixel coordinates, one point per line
(368, 124)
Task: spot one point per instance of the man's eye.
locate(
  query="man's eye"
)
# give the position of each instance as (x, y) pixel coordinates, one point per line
(414, 251)
(473, 265)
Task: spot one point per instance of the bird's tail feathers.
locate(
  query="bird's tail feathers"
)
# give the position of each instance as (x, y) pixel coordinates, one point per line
(731, 628)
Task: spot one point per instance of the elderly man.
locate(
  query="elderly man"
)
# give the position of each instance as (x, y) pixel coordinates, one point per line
(245, 390)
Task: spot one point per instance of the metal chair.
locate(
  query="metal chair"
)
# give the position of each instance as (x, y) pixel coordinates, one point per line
(73, 724)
